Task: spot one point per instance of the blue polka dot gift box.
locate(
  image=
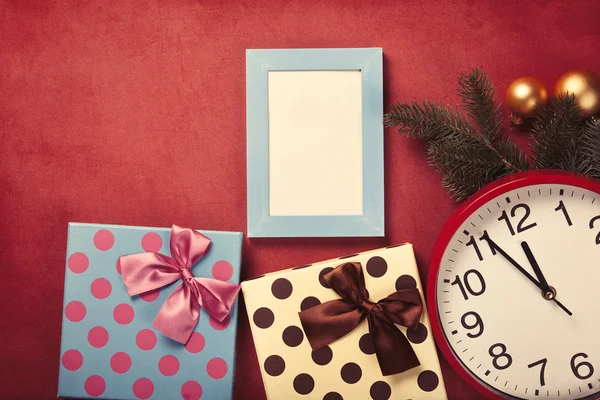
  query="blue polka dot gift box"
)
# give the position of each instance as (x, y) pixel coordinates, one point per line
(351, 328)
(149, 313)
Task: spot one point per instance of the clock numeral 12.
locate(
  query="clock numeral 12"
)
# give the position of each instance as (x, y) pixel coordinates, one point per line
(513, 212)
(543, 363)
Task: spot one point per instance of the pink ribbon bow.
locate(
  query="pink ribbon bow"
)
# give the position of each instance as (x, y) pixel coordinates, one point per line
(179, 314)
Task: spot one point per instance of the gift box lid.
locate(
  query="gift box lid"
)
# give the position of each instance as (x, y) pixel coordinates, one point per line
(109, 348)
(347, 368)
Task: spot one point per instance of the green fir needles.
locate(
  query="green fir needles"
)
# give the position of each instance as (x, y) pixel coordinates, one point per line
(472, 150)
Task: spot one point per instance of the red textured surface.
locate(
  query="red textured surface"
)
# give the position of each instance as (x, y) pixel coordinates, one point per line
(133, 112)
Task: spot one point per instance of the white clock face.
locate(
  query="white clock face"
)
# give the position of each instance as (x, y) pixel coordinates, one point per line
(494, 315)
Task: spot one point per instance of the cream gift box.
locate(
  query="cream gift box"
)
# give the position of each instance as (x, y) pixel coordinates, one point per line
(347, 368)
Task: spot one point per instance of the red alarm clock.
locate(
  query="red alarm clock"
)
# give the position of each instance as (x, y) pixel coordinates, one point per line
(513, 287)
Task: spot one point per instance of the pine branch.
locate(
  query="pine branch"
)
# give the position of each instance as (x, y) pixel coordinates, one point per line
(468, 158)
(477, 95)
(556, 136)
(589, 162)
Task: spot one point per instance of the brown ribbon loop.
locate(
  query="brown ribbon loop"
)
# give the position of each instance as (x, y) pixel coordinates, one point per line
(332, 320)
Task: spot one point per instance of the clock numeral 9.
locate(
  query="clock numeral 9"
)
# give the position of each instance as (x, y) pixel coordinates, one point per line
(592, 221)
(513, 212)
(583, 364)
(467, 284)
(502, 355)
(478, 324)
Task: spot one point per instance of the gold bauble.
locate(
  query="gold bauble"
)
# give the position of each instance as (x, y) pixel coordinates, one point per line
(585, 85)
(525, 97)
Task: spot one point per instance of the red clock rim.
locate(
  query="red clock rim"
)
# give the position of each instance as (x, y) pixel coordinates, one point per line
(460, 215)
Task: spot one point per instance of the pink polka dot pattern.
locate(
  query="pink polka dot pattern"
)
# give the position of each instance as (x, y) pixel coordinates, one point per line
(78, 263)
(143, 388)
(123, 314)
(104, 240)
(72, 360)
(75, 311)
(145, 339)
(168, 365)
(101, 288)
(219, 326)
(150, 296)
(95, 385)
(222, 270)
(196, 343)
(118, 266)
(151, 242)
(98, 337)
(120, 362)
(191, 390)
(216, 368)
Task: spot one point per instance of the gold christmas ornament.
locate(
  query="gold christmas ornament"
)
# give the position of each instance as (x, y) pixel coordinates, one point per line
(585, 85)
(525, 96)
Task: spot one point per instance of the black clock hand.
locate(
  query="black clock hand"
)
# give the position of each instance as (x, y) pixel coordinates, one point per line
(547, 291)
(494, 247)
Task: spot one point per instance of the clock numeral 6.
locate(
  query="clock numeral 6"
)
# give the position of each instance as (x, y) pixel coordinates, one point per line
(478, 324)
(592, 221)
(498, 352)
(582, 364)
(513, 212)
(468, 286)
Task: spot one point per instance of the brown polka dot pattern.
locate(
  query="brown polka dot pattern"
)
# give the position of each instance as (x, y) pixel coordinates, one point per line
(324, 272)
(428, 381)
(406, 282)
(304, 384)
(274, 365)
(333, 396)
(351, 373)
(417, 335)
(281, 288)
(376, 267)
(366, 344)
(292, 336)
(309, 302)
(380, 391)
(322, 356)
(263, 317)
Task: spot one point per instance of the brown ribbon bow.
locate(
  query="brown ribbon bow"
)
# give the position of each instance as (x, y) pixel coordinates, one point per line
(327, 322)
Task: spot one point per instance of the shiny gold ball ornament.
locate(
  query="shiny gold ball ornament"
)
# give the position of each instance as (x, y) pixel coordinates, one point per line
(525, 96)
(585, 85)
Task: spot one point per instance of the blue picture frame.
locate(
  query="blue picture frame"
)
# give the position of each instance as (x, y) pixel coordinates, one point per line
(258, 64)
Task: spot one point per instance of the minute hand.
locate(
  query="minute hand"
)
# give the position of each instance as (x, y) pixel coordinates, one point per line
(495, 247)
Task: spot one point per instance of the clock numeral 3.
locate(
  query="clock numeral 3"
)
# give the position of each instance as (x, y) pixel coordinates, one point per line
(502, 355)
(561, 207)
(478, 324)
(467, 284)
(592, 221)
(583, 364)
(541, 362)
(513, 213)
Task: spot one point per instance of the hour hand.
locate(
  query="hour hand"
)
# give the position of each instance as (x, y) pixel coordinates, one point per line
(548, 291)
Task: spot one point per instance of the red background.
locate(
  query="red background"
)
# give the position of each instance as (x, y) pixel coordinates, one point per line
(133, 112)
